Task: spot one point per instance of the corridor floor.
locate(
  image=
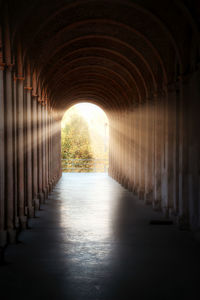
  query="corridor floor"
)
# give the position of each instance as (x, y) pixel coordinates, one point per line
(92, 241)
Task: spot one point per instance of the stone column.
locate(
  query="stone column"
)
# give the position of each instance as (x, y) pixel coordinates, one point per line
(157, 201)
(47, 149)
(124, 149)
(194, 150)
(9, 184)
(117, 158)
(149, 153)
(8, 108)
(190, 147)
(40, 167)
(142, 149)
(128, 176)
(121, 147)
(183, 218)
(139, 138)
(133, 147)
(113, 146)
(3, 233)
(15, 153)
(56, 153)
(50, 149)
(130, 166)
(20, 148)
(43, 141)
(111, 136)
(116, 145)
(29, 162)
(137, 150)
(35, 150)
(169, 190)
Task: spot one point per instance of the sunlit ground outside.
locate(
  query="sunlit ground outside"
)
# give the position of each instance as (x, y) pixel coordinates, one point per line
(84, 139)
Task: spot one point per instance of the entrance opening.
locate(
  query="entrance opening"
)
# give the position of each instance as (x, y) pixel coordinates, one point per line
(84, 139)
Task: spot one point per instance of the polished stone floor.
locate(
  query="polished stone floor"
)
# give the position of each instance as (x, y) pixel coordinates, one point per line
(92, 241)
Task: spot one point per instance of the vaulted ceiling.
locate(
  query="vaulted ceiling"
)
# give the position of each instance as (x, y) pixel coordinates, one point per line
(112, 52)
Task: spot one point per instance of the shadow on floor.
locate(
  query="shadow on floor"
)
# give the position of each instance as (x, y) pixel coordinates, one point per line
(93, 241)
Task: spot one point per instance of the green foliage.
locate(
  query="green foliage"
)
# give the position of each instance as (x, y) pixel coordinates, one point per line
(75, 144)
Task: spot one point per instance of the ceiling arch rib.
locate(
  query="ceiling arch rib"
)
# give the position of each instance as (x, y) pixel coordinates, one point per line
(105, 81)
(128, 39)
(105, 98)
(112, 29)
(111, 43)
(115, 95)
(127, 11)
(124, 78)
(99, 52)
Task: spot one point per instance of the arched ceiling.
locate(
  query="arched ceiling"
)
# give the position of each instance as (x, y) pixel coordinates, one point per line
(116, 52)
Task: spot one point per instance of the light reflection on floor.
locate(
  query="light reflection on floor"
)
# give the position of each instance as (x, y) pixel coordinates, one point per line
(86, 215)
(92, 241)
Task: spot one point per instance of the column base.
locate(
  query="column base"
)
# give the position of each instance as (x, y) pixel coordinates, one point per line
(3, 243)
(148, 198)
(157, 205)
(172, 212)
(23, 222)
(12, 236)
(51, 185)
(45, 192)
(26, 210)
(165, 211)
(117, 177)
(31, 212)
(3, 238)
(17, 225)
(48, 188)
(2, 261)
(141, 195)
(36, 202)
(134, 190)
(130, 187)
(41, 197)
(126, 183)
(183, 222)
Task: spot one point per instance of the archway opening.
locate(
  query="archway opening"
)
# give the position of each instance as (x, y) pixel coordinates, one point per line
(85, 139)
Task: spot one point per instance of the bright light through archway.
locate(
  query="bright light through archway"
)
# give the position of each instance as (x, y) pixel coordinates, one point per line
(97, 124)
(87, 110)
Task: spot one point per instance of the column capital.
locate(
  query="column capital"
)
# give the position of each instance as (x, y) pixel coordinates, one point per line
(19, 77)
(34, 95)
(28, 88)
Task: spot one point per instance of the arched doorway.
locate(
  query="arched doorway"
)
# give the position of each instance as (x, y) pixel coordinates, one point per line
(84, 139)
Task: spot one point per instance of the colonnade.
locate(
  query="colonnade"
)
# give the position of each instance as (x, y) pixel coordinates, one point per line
(139, 61)
(30, 145)
(154, 150)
